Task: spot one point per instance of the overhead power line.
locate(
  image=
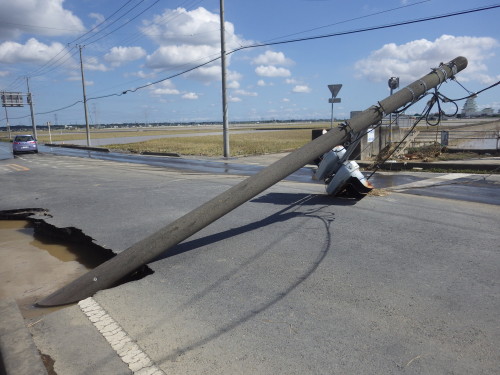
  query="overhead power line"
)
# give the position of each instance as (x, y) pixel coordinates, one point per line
(371, 28)
(103, 22)
(122, 25)
(257, 45)
(350, 20)
(366, 29)
(53, 62)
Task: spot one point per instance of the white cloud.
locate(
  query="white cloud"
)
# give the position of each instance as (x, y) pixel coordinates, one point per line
(190, 96)
(165, 88)
(99, 18)
(234, 99)
(118, 55)
(233, 85)
(272, 58)
(92, 63)
(31, 52)
(291, 81)
(141, 74)
(411, 60)
(206, 74)
(4, 73)
(272, 71)
(42, 17)
(245, 93)
(74, 77)
(301, 89)
(188, 39)
(233, 75)
(263, 83)
(180, 56)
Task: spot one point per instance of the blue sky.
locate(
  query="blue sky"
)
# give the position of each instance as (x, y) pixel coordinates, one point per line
(131, 43)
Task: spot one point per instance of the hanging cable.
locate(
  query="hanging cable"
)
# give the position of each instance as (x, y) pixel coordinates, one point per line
(300, 40)
(122, 25)
(473, 94)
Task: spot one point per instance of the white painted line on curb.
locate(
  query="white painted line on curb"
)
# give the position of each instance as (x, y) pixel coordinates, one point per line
(430, 181)
(130, 353)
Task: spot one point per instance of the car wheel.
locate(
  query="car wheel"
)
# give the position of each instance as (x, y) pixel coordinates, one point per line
(36, 151)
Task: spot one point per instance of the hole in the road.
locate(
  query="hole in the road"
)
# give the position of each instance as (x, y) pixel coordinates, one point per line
(38, 258)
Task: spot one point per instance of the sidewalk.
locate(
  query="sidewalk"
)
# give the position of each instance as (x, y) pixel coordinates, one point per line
(491, 163)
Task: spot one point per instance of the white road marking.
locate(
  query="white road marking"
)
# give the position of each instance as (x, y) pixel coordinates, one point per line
(130, 353)
(430, 181)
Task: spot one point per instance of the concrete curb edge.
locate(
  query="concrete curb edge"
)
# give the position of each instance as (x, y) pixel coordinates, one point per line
(19, 354)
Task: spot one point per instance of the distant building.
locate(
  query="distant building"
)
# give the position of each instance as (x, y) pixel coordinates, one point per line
(487, 112)
(470, 107)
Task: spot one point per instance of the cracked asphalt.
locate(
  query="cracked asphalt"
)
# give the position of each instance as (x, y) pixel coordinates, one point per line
(291, 282)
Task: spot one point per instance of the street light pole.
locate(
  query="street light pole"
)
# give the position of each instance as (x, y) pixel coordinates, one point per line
(393, 84)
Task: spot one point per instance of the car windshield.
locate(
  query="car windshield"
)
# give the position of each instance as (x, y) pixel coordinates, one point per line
(24, 138)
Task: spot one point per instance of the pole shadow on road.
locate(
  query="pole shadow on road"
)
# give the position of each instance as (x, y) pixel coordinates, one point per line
(290, 200)
(297, 205)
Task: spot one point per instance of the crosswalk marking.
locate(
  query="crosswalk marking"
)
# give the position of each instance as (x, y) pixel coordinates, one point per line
(61, 162)
(430, 181)
(17, 167)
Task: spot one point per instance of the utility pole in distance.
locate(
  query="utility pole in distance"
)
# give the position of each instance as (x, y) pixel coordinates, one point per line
(84, 99)
(225, 122)
(30, 102)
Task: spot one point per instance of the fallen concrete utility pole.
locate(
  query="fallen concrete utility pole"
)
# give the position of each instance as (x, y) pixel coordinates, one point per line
(108, 273)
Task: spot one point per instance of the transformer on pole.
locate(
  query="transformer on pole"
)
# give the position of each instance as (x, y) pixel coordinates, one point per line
(147, 249)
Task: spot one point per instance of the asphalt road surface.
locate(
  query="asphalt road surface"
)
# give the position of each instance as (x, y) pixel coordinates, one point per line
(292, 282)
(468, 187)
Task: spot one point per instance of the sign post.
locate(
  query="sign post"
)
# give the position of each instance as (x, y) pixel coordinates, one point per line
(11, 99)
(334, 89)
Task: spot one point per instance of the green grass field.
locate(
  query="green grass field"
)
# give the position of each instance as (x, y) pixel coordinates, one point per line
(289, 138)
(240, 144)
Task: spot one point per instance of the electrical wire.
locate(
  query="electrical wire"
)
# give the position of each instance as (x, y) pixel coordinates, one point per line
(103, 22)
(436, 99)
(163, 20)
(124, 24)
(51, 64)
(473, 94)
(324, 36)
(349, 20)
(366, 29)
(371, 28)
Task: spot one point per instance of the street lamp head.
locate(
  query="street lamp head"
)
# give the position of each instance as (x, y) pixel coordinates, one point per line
(393, 83)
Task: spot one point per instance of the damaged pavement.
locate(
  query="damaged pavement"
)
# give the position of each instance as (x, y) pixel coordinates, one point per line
(291, 282)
